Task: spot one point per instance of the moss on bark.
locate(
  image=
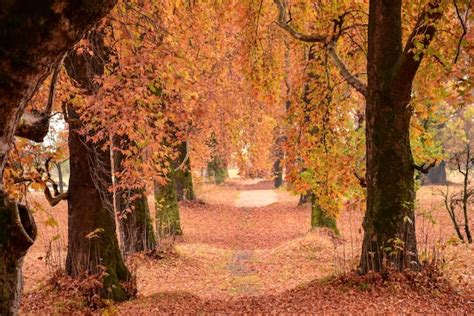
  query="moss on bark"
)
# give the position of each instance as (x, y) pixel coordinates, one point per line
(167, 209)
(319, 217)
(136, 229)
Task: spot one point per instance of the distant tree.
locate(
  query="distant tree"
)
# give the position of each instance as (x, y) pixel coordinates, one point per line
(458, 136)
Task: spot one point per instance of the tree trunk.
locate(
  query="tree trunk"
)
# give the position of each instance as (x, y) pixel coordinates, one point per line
(92, 242)
(319, 217)
(304, 198)
(389, 222)
(217, 169)
(279, 154)
(136, 229)
(184, 177)
(167, 210)
(17, 234)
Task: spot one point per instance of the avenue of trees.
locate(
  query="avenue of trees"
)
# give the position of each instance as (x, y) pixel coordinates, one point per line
(348, 102)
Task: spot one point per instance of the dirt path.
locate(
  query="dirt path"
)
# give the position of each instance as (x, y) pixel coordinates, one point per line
(256, 198)
(248, 249)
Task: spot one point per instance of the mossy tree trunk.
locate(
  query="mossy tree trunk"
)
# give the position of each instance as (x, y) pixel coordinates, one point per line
(167, 209)
(389, 222)
(92, 241)
(217, 170)
(136, 229)
(183, 175)
(279, 155)
(320, 218)
(17, 234)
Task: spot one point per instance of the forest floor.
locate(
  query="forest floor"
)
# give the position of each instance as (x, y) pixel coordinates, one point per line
(247, 248)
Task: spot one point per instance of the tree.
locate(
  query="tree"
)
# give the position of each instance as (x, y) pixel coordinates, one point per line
(92, 242)
(167, 210)
(136, 228)
(458, 136)
(34, 38)
(184, 177)
(389, 223)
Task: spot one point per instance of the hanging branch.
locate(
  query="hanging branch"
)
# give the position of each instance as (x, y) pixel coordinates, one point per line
(328, 40)
(464, 28)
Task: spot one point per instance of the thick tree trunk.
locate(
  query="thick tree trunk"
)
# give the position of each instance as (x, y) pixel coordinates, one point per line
(92, 242)
(167, 210)
(184, 177)
(389, 222)
(136, 229)
(319, 217)
(17, 234)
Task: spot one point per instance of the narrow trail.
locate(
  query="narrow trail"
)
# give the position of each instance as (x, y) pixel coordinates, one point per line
(245, 280)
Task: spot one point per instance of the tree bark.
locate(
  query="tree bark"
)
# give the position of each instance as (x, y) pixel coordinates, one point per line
(184, 177)
(92, 243)
(136, 229)
(17, 234)
(389, 222)
(167, 210)
(60, 176)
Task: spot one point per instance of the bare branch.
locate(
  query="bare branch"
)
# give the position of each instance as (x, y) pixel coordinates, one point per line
(362, 180)
(328, 40)
(424, 169)
(34, 125)
(464, 28)
(53, 201)
(283, 20)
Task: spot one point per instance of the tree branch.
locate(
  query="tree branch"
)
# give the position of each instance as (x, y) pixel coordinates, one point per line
(362, 180)
(464, 29)
(283, 20)
(423, 34)
(54, 200)
(424, 169)
(345, 73)
(34, 125)
(328, 40)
